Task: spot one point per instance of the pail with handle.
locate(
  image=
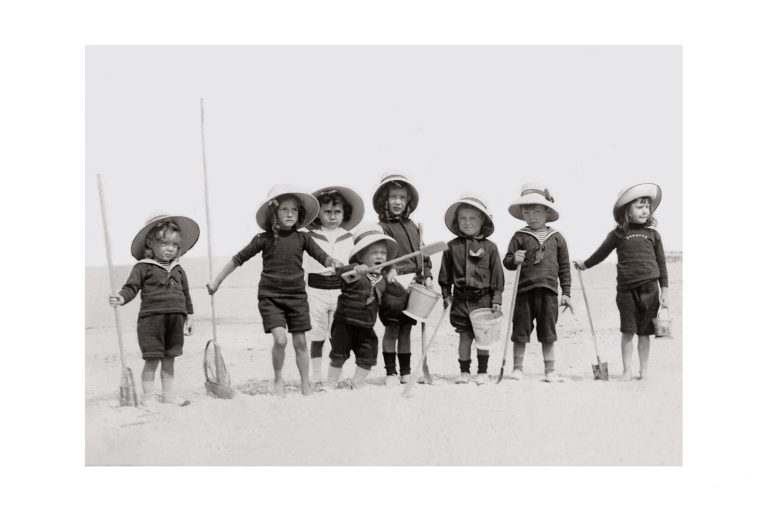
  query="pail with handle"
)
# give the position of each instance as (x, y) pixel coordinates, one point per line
(421, 301)
(486, 323)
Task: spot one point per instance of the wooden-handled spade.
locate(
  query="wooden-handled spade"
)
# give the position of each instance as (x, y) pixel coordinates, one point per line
(351, 276)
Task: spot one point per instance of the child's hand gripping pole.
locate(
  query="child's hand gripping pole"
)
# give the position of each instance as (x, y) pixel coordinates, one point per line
(351, 276)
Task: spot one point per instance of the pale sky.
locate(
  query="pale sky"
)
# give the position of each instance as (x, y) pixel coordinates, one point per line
(585, 121)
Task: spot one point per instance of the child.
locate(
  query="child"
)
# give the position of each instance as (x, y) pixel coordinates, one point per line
(355, 315)
(165, 314)
(542, 255)
(282, 295)
(394, 200)
(641, 269)
(471, 271)
(341, 209)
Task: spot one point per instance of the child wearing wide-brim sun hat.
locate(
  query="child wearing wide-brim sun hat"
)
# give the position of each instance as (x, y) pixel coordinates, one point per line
(282, 293)
(641, 269)
(165, 314)
(394, 201)
(358, 304)
(471, 272)
(341, 210)
(540, 254)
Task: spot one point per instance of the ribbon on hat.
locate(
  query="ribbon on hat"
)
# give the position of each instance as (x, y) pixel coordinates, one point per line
(544, 193)
(365, 234)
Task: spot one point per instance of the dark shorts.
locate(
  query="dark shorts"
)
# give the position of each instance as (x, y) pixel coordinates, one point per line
(461, 309)
(638, 307)
(161, 335)
(539, 304)
(360, 340)
(282, 311)
(393, 302)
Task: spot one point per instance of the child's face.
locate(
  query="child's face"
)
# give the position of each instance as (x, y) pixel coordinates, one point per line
(287, 213)
(639, 210)
(331, 215)
(535, 215)
(397, 201)
(470, 220)
(374, 254)
(167, 248)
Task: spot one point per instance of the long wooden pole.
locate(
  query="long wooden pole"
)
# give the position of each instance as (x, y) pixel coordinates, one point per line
(207, 216)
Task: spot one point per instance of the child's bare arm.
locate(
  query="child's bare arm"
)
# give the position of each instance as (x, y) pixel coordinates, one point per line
(213, 286)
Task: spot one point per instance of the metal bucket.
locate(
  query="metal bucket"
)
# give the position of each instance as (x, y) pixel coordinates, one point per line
(421, 301)
(487, 326)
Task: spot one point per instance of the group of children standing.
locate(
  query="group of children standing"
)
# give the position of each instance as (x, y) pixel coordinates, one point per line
(309, 241)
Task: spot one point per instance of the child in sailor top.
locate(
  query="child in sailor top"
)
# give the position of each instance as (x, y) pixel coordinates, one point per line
(341, 209)
(641, 270)
(165, 315)
(353, 321)
(472, 273)
(541, 255)
(394, 201)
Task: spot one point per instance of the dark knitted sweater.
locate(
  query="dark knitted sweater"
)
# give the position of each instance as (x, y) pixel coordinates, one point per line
(406, 234)
(161, 291)
(640, 256)
(553, 264)
(358, 303)
(471, 264)
(282, 274)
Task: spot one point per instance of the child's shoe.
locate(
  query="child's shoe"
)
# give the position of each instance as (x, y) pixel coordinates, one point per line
(553, 377)
(319, 386)
(392, 381)
(517, 374)
(358, 379)
(404, 378)
(463, 378)
(481, 379)
(150, 401)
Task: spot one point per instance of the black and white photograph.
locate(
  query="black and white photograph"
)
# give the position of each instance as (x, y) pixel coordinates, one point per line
(394, 255)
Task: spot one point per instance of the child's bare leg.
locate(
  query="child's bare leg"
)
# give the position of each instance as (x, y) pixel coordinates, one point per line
(465, 346)
(302, 360)
(518, 355)
(166, 378)
(548, 351)
(626, 354)
(278, 356)
(148, 375)
(643, 351)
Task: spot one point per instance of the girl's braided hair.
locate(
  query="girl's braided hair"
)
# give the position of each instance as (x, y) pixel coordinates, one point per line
(381, 203)
(335, 198)
(623, 225)
(274, 205)
(161, 232)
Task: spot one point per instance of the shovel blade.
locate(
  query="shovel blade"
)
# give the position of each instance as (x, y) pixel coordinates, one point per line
(216, 374)
(600, 370)
(128, 389)
(219, 390)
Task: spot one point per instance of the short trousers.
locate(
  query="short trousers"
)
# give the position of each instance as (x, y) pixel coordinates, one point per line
(279, 311)
(461, 309)
(638, 307)
(322, 306)
(161, 335)
(393, 302)
(539, 304)
(360, 340)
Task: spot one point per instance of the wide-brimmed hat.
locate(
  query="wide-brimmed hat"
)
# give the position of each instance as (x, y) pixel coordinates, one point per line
(412, 192)
(354, 201)
(471, 200)
(311, 206)
(190, 232)
(629, 194)
(534, 193)
(369, 234)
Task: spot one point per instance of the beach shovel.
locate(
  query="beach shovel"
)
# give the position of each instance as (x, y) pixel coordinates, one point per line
(351, 276)
(415, 376)
(214, 367)
(600, 370)
(509, 322)
(427, 379)
(127, 384)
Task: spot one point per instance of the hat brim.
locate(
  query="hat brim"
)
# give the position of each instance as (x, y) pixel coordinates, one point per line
(353, 199)
(308, 201)
(450, 215)
(190, 233)
(359, 247)
(515, 209)
(629, 194)
(412, 192)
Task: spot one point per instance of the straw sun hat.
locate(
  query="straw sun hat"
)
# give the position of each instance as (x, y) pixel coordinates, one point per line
(471, 200)
(412, 192)
(534, 193)
(353, 199)
(190, 232)
(629, 194)
(311, 206)
(367, 235)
